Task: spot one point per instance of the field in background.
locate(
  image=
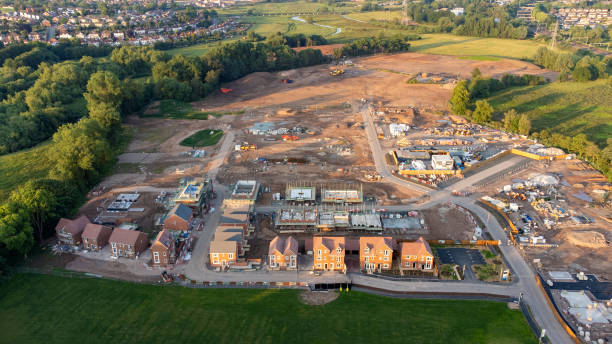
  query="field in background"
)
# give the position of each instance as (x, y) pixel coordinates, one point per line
(175, 109)
(17, 168)
(203, 138)
(69, 310)
(568, 108)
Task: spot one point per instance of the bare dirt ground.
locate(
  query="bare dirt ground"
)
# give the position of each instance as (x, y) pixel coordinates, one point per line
(112, 269)
(317, 297)
(445, 222)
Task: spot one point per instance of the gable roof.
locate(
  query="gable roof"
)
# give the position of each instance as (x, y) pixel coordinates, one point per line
(75, 226)
(376, 243)
(331, 243)
(125, 236)
(163, 238)
(416, 248)
(222, 246)
(93, 231)
(182, 211)
(286, 246)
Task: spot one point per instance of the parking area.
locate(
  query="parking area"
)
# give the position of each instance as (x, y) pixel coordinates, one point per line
(461, 256)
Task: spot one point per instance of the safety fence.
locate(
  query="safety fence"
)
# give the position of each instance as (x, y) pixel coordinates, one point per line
(555, 310)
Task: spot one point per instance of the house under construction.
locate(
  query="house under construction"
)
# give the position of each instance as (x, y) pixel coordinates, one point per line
(342, 193)
(300, 192)
(325, 218)
(245, 192)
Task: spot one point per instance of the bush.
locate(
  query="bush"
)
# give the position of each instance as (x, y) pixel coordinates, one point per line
(582, 74)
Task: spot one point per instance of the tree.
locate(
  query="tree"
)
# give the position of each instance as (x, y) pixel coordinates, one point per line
(483, 112)
(524, 125)
(15, 228)
(476, 73)
(104, 97)
(582, 74)
(511, 121)
(460, 99)
(38, 202)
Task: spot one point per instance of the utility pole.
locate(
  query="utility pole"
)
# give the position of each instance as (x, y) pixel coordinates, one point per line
(554, 36)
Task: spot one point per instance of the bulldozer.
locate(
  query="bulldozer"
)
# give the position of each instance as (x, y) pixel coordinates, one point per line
(336, 72)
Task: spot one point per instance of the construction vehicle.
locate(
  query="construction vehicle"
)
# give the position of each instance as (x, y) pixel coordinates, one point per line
(336, 72)
(167, 277)
(289, 138)
(226, 90)
(286, 81)
(246, 146)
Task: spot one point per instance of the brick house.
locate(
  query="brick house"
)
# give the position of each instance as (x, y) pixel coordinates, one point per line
(163, 250)
(329, 253)
(282, 253)
(375, 253)
(179, 218)
(95, 237)
(223, 253)
(69, 231)
(127, 243)
(416, 255)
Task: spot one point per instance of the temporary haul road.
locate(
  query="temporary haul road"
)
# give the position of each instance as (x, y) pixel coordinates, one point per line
(197, 268)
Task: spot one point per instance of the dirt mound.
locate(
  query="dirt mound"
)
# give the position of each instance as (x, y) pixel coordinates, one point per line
(318, 297)
(589, 239)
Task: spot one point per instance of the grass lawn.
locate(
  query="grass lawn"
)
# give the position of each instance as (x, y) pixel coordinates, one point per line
(569, 108)
(199, 49)
(202, 138)
(49, 309)
(475, 47)
(175, 109)
(19, 167)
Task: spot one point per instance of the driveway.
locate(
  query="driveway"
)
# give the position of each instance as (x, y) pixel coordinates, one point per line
(463, 257)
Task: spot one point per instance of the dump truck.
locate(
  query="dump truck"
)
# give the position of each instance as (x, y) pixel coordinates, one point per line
(336, 72)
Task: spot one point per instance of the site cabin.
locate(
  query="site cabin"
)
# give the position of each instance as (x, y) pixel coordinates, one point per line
(416, 255)
(223, 253)
(179, 218)
(127, 243)
(95, 237)
(69, 231)
(163, 250)
(376, 253)
(282, 254)
(329, 253)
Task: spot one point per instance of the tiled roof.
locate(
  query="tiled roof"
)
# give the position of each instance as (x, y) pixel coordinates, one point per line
(182, 211)
(93, 231)
(416, 248)
(286, 246)
(125, 236)
(73, 226)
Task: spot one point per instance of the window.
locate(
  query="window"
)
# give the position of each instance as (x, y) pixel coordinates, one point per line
(339, 250)
(216, 262)
(319, 253)
(293, 264)
(156, 257)
(338, 259)
(386, 252)
(215, 255)
(386, 266)
(367, 259)
(428, 266)
(318, 265)
(331, 266)
(286, 258)
(366, 250)
(386, 259)
(272, 258)
(164, 254)
(114, 244)
(319, 257)
(230, 256)
(429, 259)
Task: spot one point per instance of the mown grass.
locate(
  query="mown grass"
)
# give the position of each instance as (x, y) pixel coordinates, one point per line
(203, 138)
(49, 309)
(568, 108)
(17, 168)
(175, 109)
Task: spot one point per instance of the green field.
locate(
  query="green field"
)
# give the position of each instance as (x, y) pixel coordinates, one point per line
(287, 7)
(49, 309)
(203, 138)
(175, 109)
(568, 108)
(17, 168)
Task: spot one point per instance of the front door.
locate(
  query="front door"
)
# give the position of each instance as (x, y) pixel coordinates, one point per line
(325, 266)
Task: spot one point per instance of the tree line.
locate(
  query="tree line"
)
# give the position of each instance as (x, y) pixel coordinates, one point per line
(467, 100)
(581, 65)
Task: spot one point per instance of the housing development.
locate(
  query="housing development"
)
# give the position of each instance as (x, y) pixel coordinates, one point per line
(411, 186)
